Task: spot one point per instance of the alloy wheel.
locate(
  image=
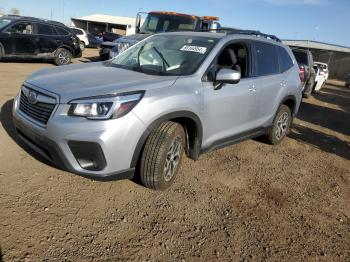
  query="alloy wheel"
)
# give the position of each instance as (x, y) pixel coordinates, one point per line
(172, 159)
(63, 57)
(282, 125)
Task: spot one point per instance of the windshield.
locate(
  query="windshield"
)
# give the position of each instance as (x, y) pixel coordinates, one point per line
(166, 55)
(163, 23)
(4, 22)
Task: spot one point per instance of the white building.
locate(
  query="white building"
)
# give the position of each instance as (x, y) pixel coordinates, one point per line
(98, 23)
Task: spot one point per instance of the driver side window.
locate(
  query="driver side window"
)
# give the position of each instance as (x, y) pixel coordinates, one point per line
(234, 56)
(22, 28)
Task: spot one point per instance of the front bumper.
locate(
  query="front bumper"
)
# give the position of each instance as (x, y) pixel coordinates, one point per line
(69, 141)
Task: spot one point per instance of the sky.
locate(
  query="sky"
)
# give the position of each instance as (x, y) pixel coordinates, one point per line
(319, 20)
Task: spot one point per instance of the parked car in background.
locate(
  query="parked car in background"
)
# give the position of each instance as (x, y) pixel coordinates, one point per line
(307, 71)
(320, 78)
(32, 38)
(109, 40)
(171, 93)
(109, 36)
(347, 81)
(94, 40)
(82, 35)
(158, 22)
(323, 67)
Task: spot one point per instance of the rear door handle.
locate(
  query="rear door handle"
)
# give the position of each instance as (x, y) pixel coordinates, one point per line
(252, 88)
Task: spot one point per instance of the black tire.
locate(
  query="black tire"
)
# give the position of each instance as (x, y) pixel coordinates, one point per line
(157, 149)
(1, 51)
(272, 135)
(63, 57)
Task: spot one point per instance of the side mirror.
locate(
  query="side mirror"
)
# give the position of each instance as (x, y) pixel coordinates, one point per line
(227, 76)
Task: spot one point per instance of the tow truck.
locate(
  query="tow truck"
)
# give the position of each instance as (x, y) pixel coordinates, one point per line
(158, 22)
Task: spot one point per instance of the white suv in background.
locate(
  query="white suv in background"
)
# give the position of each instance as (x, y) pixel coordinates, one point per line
(82, 35)
(322, 73)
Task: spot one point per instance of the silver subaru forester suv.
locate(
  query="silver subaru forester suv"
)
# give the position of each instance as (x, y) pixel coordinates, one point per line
(171, 93)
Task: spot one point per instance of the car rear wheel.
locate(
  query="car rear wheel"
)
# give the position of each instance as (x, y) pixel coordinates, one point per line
(1, 51)
(63, 57)
(162, 155)
(280, 126)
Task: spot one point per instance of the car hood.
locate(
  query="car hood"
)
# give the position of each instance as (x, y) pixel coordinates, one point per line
(108, 44)
(131, 39)
(94, 79)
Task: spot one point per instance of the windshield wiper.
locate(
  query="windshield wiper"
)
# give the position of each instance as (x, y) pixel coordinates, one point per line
(162, 57)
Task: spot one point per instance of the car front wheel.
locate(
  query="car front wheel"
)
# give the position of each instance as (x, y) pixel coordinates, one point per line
(162, 155)
(63, 57)
(280, 126)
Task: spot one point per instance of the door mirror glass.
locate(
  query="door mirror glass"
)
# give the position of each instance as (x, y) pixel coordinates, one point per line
(228, 76)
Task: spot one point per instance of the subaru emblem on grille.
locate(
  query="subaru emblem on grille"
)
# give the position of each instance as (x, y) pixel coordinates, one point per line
(32, 97)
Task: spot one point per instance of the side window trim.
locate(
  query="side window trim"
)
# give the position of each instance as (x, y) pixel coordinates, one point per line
(281, 49)
(57, 32)
(255, 59)
(52, 29)
(18, 22)
(248, 43)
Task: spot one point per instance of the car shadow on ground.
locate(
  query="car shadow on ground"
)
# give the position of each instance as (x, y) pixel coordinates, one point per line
(340, 97)
(320, 140)
(333, 119)
(337, 120)
(88, 59)
(7, 124)
(26, 61)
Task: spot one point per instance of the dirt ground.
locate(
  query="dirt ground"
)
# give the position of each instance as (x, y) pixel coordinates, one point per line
(247, 202)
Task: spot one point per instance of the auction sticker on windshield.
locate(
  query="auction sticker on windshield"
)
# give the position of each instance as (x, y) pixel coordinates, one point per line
(192, 48)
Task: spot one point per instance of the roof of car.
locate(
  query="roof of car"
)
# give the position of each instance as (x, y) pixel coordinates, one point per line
(197, 33)
(231, 35)
(17, 17)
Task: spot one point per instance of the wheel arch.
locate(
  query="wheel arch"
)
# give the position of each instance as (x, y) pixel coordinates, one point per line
(290, 101)
(64, 47)
(193, 130)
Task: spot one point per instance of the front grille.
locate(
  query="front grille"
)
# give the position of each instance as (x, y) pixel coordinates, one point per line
(39, 111)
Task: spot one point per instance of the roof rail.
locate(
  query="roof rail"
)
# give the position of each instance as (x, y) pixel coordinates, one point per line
(38, 19)
(231, 31)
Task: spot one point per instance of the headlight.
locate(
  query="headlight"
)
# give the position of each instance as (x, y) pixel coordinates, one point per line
(105, 108)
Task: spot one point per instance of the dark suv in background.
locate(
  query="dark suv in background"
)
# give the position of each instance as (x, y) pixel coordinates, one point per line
(307, 72)
(31, 38)
(347, 81)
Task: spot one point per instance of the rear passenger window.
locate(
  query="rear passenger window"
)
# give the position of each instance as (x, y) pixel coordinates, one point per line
(286, 61)
(77, 31)
(45, 29)
(266, 59)
(61, 31)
